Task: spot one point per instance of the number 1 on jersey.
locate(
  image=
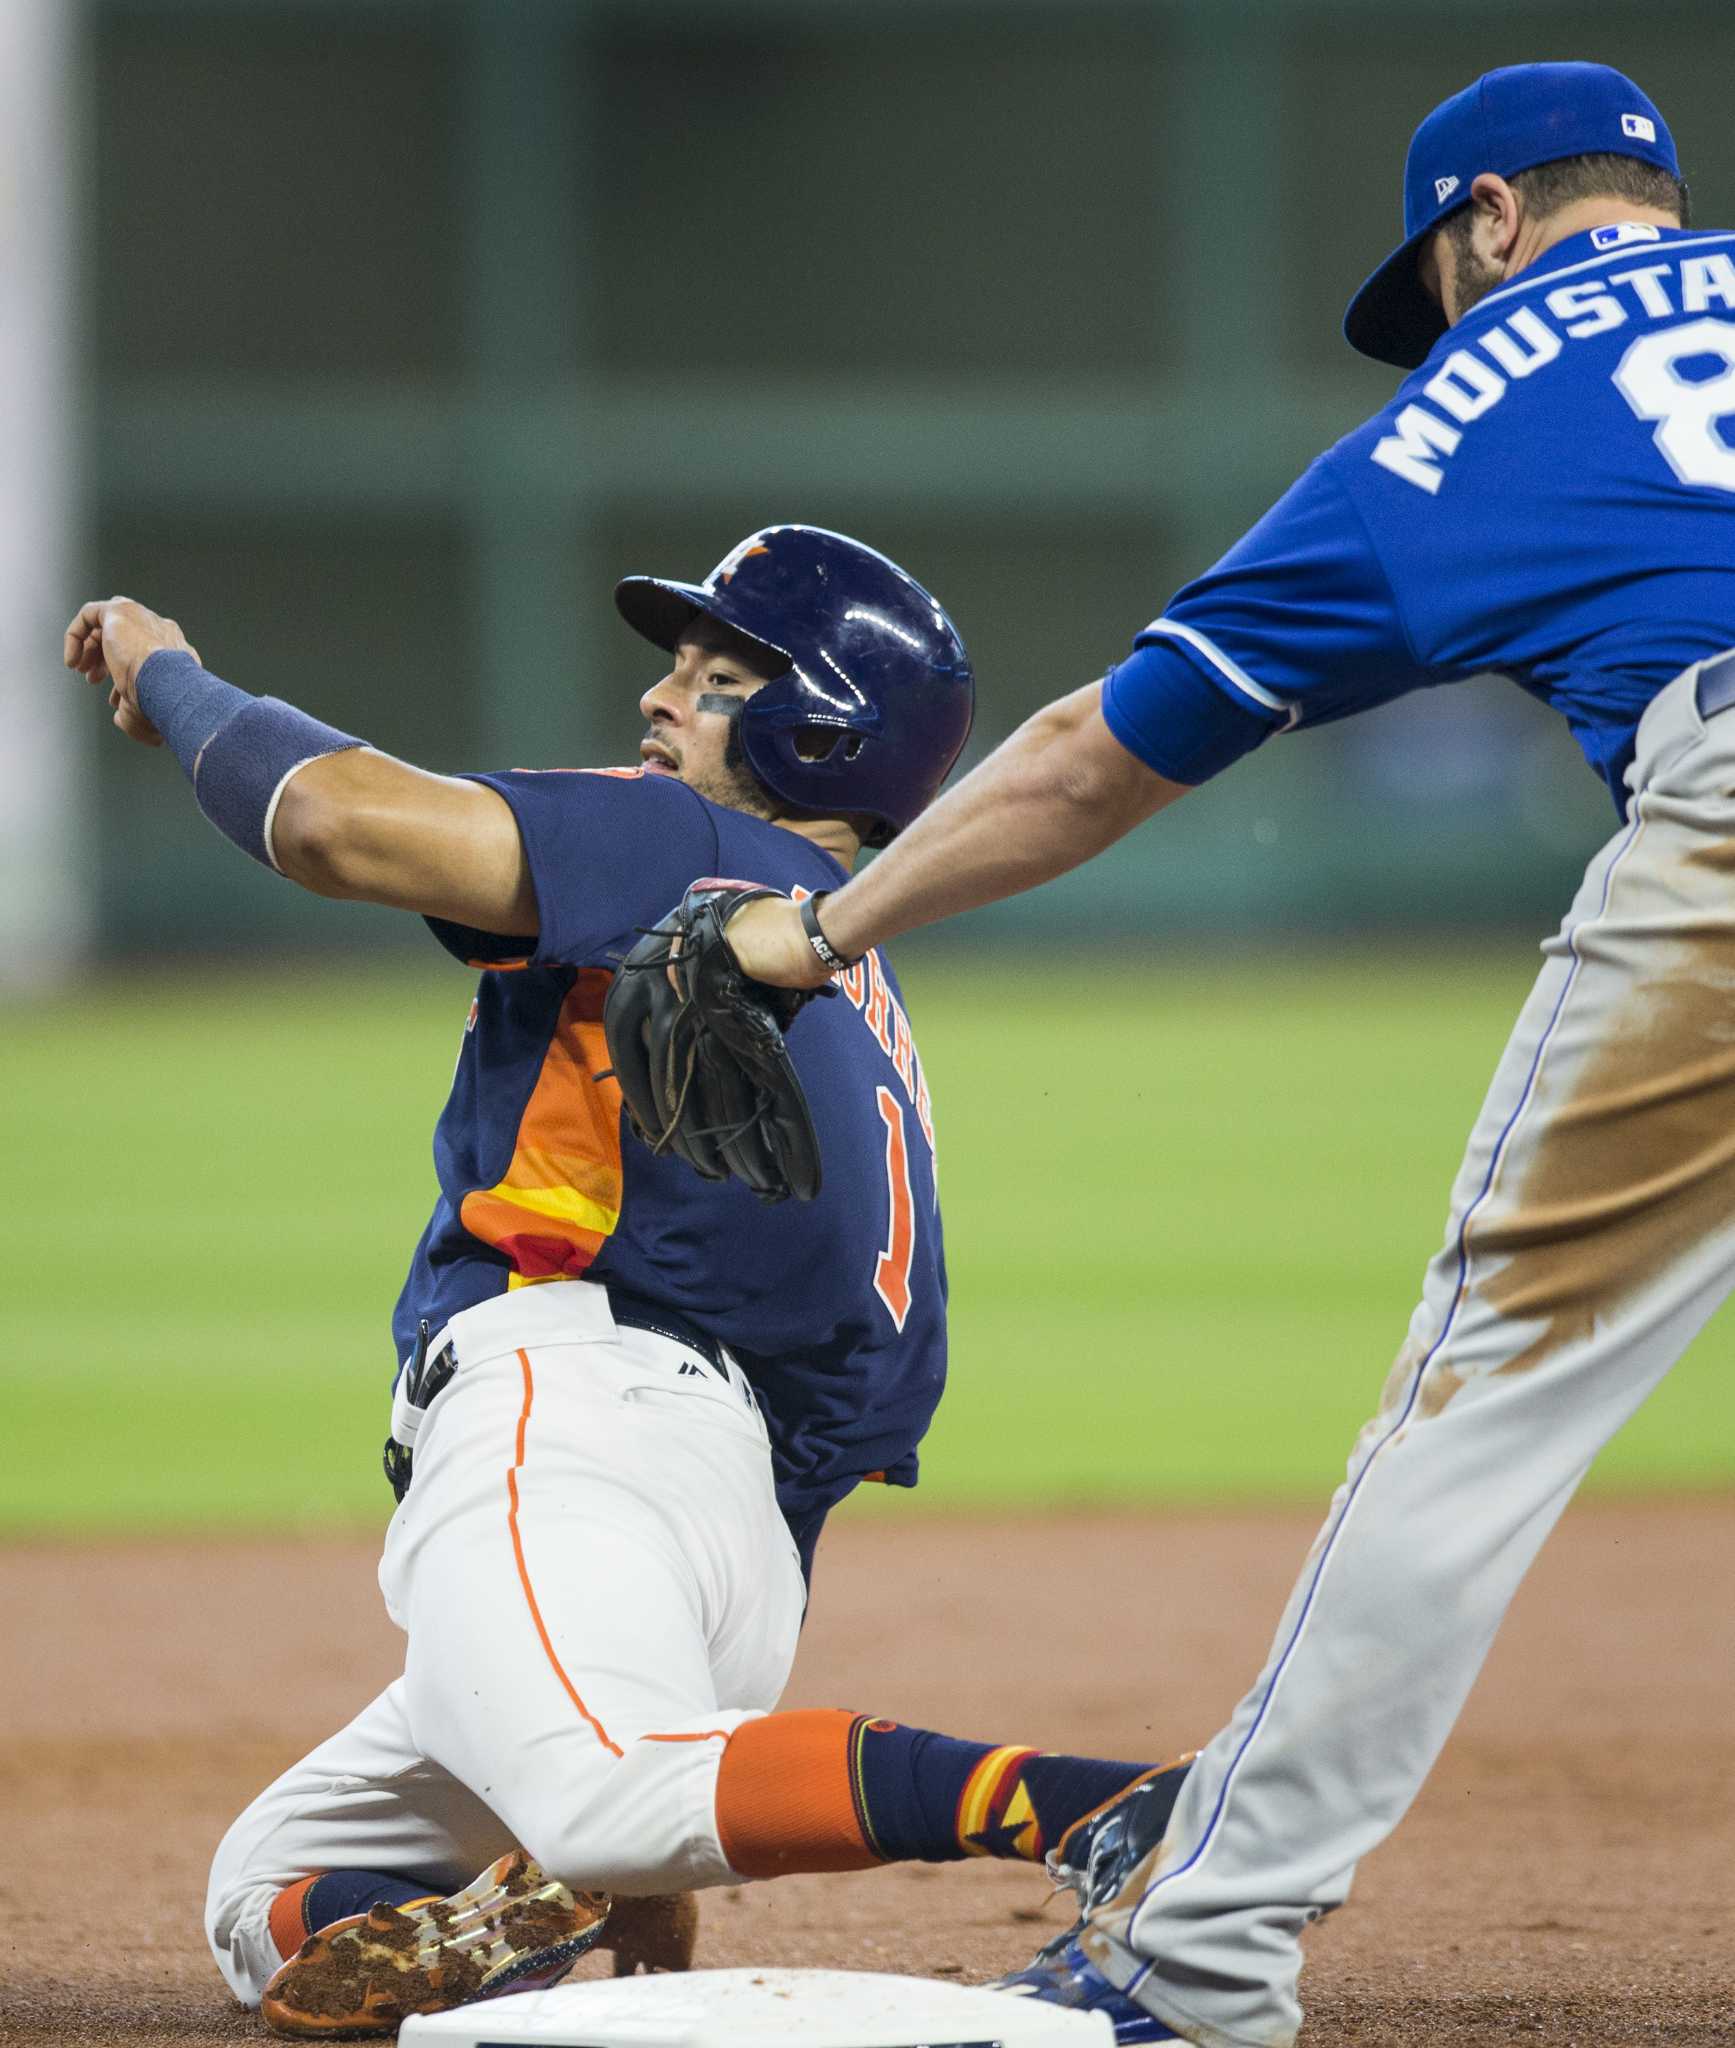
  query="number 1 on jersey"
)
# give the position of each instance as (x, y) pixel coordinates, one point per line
(892, 1274)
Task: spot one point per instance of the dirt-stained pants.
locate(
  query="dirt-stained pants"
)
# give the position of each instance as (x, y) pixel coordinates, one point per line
(1592, 1233)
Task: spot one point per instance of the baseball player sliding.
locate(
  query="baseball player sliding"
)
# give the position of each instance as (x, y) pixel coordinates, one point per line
(1550, 495)
(627, 1397)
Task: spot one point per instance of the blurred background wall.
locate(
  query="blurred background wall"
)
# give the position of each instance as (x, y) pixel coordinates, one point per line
(408, 325)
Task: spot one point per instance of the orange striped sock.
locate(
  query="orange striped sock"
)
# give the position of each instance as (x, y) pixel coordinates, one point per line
(995, 1816)
(931, 1797)
(311, 1903)
(828, 1790)
(289, 1928)
(786, 1795)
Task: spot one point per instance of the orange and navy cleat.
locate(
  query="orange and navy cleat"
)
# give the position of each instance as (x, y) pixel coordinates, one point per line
(514, 1929)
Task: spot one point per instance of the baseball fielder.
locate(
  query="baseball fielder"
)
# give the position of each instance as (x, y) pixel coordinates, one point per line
(627, 1397)
(1550, 495)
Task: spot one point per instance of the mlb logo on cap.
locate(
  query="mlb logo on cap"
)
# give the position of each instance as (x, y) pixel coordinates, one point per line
(1509, 121)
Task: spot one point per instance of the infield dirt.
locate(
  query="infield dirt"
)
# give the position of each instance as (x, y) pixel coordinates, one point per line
(1567, 1879)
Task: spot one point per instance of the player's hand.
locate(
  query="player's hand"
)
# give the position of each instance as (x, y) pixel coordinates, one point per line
(109, 641)
(768, 942)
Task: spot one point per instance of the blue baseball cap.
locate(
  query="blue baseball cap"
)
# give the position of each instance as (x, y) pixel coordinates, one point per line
(1508, 121)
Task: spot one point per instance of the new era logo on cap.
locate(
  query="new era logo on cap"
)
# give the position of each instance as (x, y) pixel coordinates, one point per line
(1507, 121)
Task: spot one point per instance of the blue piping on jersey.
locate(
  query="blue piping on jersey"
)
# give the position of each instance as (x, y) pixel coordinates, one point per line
(1325, 1555)
(1528, 283)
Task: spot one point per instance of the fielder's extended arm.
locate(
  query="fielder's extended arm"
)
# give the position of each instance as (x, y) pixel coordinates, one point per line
(1060, 790)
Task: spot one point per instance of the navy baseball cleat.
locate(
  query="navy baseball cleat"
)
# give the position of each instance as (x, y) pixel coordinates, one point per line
(1064, 1975)
(1099, 1853)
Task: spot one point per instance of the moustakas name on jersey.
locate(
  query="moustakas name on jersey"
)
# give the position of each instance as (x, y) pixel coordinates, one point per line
(1549, 497)
(835, 1308)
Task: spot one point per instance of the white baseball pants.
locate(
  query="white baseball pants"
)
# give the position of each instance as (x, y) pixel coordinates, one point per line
(1592, 1234)
(597, 1588)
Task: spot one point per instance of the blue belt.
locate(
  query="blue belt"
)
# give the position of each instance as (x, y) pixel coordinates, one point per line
(1715, 689)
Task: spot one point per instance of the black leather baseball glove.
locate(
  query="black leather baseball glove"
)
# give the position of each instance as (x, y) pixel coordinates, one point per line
(697, 1047)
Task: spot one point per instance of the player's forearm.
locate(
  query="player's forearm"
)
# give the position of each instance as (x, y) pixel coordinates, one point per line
(363, 827)
(357, 828)
(1057, 792)
(325, 810)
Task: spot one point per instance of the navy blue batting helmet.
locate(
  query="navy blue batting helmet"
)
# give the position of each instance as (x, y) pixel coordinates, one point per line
(872, 659)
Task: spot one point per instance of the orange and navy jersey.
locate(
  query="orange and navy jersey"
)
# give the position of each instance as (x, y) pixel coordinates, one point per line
(836, 1308)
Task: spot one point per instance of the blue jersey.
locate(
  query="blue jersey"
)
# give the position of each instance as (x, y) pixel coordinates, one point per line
(1550, 497)
(836, 1308)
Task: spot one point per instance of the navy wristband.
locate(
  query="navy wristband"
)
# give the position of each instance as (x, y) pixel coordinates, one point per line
(184, 702)
(237, 750)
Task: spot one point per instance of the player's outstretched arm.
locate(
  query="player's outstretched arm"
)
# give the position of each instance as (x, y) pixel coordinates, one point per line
(366, 828)
(1058, 791)
(317, 805)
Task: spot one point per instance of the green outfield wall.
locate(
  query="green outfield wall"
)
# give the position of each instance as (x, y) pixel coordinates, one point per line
(410, 324)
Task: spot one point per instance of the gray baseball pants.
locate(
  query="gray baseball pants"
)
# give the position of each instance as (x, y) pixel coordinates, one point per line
(1592, 1234)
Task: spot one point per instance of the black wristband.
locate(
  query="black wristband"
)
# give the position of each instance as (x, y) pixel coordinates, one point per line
(829, 956)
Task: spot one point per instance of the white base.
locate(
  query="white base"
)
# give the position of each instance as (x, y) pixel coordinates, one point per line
(760, 2009)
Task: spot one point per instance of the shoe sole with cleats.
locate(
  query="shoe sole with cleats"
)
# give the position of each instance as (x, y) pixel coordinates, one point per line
(514, 1928)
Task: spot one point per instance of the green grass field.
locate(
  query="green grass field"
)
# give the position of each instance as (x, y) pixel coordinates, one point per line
(1187, 1212)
